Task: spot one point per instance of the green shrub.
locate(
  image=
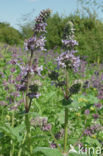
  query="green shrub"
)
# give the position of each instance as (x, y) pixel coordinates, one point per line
(9, 35)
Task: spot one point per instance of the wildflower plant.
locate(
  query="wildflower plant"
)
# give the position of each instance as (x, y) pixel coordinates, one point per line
(32, 121)
(27, 85)
(68, 62)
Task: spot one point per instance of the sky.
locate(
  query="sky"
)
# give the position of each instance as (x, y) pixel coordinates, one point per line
(13, 11)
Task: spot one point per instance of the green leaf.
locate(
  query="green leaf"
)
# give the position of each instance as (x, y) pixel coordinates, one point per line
(13, 132)
(48, 151)
(92, 141)
(75, 154)
(66, 102)
(81, 101)
(61, 117)
(75, 88)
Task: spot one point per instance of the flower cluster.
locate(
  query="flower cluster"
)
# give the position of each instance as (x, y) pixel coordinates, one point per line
(69, 30)
(40, 21)
(69, 43)
(41, 122)
(67, 59)
(37, 41)
(22, 79)
(89, 131)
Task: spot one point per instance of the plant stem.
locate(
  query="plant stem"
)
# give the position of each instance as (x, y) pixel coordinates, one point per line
(28, 136)
(27, 107)
(66, 129)
(28, 81)
(66, 116)
(12, 145)
(67, 91)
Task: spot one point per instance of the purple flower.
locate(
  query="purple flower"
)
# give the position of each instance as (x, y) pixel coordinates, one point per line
(53, 145)
(102, 76)
(36, 42)
(98, 105)
(87, 132)
(18, 78)
(40, 21)
(39, 121)
(95, 116)
(13, 70)
(68, 60)
(87, 111)
(13, 61)
(69, 43)
(46, 127)
(33, 95)
(21, 87)
(3, 103)
(92, 129)
(37, 69)
(15, 94)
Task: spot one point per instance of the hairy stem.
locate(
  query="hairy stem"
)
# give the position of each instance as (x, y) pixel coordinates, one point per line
(28, 136)
(66, 129)
(28, 82)
(12, 145)
(27, 107)
(66, 115)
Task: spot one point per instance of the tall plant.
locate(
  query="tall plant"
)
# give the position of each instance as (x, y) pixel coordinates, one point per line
(30, 89)
(68, 63)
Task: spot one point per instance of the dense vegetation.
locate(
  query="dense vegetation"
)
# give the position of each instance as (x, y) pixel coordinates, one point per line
(9, 35)
(51, 104)
(86, 108)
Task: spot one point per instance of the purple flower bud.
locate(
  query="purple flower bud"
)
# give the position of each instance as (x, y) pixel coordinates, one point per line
(53, 145)
(14, 61)
(46, 127)
(87, 111)
(87, 132)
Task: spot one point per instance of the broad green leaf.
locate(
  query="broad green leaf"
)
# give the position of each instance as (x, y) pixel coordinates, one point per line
(13, 132)
(92, 141)
(66, 102)
(48, 151)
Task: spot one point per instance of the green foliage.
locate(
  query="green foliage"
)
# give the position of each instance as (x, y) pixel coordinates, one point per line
(50, 104)
(9, 35)
(48, 151)
(54, 31)
(26, 30)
